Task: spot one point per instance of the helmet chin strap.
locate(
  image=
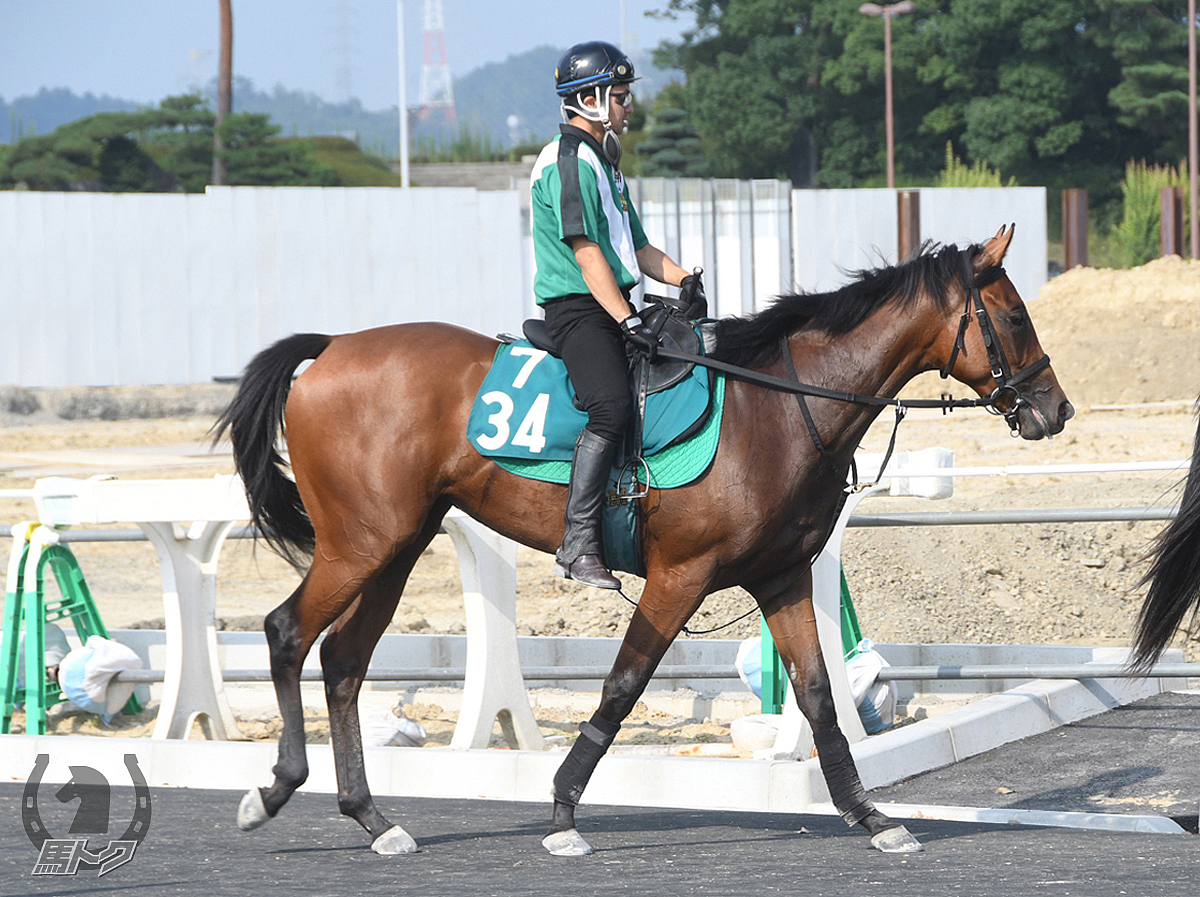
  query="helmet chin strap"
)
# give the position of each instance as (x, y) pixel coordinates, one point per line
(611, 143)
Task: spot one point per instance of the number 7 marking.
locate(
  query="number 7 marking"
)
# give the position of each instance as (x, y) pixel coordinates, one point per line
(535, 355)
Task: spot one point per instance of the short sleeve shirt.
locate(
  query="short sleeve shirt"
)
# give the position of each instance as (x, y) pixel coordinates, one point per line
(575, 192)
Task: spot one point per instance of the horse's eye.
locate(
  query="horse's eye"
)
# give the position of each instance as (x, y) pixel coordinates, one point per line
(1018, 318)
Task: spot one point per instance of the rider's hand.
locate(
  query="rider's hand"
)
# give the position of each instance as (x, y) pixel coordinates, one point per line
(641, 337)
(691, 291)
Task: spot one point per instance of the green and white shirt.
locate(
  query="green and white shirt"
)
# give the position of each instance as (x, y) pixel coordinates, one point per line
(576, 193)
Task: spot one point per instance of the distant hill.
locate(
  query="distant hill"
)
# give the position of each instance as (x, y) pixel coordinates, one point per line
(521, 86)
(51, 107)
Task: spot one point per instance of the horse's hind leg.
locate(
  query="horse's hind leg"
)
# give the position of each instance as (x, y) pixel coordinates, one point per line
(291, 630)
(793, 626)
(345, 654)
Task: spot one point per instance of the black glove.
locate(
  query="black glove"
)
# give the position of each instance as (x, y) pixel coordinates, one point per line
(691, 291)
(641, 337)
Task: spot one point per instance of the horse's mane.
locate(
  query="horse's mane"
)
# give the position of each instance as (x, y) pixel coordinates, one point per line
(754, 340)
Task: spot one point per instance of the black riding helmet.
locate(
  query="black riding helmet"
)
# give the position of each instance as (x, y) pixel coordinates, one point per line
(593, 67)
(591, 64)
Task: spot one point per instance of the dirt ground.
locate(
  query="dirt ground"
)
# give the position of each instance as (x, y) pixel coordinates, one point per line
(1125, 346)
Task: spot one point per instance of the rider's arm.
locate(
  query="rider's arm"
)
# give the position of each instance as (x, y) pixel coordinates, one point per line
(599, 278)
(657, 264)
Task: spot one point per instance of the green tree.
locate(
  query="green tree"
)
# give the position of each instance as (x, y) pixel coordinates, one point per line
(1149, 42)
(1054, 92)
(115, 151)
(252, 155)
(160, 150)
(671, 147)
(185, 148)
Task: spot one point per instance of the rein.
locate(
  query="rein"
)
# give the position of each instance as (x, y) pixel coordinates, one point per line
(1005, 400)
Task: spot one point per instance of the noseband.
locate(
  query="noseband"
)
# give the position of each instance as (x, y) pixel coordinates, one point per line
(1005, 399)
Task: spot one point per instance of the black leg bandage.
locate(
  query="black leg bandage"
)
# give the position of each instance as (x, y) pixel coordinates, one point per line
(572, 777)
(840, 775)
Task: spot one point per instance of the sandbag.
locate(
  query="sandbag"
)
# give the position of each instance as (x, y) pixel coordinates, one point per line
(85, 676)
(875, 700)
(391, 728)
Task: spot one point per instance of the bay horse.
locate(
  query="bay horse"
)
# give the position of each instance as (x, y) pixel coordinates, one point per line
(1173, 577)
(376, 434)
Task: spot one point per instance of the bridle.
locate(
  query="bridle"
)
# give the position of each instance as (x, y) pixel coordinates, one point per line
(1005, 400)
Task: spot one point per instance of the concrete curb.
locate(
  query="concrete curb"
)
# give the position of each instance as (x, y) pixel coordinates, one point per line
(645, 781)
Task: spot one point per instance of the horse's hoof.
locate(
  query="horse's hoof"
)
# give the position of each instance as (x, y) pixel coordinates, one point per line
(566, 844)
(393, 842)
(251, 811)
(896, 840)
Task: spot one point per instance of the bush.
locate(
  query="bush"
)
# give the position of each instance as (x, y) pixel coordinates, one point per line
(1136, 240)
(958, 174)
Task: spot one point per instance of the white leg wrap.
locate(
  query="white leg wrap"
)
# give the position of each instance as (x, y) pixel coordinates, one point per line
(566, 844)
(393, 842)
(251, 812)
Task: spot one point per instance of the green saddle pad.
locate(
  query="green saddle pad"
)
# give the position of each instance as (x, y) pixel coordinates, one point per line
(525, 420)
(674, 466)
(525, 409)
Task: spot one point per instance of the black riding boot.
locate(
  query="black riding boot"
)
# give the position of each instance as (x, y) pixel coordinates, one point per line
(580, 558)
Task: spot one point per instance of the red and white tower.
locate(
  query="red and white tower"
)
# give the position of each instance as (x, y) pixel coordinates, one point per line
(436, 97)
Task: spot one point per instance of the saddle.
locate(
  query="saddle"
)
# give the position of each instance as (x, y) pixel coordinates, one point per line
(671, 319)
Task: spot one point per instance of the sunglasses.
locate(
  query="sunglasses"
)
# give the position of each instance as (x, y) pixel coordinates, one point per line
(625, 98)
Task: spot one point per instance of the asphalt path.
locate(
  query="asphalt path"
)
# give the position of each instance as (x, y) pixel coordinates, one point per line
(492, 847)
(1138, 759)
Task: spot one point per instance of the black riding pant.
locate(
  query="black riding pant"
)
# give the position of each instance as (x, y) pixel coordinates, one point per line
(590, 344)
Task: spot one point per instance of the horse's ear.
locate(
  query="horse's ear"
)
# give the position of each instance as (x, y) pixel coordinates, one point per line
(994, 249)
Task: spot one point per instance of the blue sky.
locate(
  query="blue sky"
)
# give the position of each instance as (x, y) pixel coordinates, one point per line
(144, 50)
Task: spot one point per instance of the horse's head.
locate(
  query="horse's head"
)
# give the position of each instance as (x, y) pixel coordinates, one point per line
(1001, 357)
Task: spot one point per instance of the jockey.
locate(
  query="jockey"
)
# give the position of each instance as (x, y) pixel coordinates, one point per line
(589, 252)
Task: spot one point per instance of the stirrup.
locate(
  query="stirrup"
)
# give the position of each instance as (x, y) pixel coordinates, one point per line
(636, 488)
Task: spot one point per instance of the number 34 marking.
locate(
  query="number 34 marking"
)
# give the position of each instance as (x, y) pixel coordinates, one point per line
(531, 432)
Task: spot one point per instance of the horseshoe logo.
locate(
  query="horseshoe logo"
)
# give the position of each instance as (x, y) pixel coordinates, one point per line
(85, 785)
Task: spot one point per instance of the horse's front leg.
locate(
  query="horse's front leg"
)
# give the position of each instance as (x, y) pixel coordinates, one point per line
(793, 626)
(660, 615)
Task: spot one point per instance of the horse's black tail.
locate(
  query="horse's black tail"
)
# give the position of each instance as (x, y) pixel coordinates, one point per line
(254, 419)
(1174, 576)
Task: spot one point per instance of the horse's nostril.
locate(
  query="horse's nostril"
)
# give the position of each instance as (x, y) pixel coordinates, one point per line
(1066, 411)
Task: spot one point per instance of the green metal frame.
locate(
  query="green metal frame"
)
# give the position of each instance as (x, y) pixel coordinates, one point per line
(30, 610)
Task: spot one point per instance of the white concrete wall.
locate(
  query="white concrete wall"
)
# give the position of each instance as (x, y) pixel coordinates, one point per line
(134, 289)
(117, 289)
(836, 231)
(739, 232)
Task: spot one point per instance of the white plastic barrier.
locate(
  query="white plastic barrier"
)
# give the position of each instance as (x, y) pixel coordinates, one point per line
(193, 689)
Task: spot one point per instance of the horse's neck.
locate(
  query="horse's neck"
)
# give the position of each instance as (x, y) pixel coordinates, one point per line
(877, 358)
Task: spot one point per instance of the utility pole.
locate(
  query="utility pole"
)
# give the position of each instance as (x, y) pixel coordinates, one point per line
(403, 93)
(224, 88)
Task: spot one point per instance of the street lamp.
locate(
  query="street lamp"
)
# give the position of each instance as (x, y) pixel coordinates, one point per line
(892, 9)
